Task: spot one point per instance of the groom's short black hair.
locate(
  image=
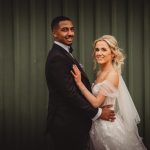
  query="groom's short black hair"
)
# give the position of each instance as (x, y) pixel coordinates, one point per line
(57, 19)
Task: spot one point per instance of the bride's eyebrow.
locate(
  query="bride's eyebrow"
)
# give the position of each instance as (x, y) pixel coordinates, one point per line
(98, 49)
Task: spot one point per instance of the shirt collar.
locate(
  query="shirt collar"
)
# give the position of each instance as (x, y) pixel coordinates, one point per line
(66, 47)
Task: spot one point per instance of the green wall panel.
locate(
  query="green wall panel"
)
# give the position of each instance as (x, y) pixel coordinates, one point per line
(25, 39)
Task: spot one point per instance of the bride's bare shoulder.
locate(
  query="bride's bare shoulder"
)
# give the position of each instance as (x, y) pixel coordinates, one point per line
(113, 77)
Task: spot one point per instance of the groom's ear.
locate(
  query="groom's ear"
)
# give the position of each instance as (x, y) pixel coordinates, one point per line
(54, 33)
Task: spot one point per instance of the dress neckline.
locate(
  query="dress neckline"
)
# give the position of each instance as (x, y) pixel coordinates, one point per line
(100, 82)
(103, 82)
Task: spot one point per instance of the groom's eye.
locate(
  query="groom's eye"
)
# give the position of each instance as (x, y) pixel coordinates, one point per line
(64, 29)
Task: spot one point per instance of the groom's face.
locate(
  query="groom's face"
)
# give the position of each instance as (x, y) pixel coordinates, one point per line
(64, 32)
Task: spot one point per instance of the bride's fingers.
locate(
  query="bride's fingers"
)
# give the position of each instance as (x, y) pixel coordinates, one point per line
(72, 73)
(76, 69)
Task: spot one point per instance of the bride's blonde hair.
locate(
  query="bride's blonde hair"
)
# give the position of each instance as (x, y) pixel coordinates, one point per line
(119, 57)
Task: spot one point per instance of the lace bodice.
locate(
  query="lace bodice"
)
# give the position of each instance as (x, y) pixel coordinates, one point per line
(108, 90)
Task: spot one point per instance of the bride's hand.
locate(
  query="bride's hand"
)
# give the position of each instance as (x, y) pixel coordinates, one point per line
(76, 74)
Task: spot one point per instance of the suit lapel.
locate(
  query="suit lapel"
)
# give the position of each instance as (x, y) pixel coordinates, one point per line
(71, 58)
(80, 68)
(77, 63)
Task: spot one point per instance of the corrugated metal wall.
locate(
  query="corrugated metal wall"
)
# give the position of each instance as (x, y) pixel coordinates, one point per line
(25, 39)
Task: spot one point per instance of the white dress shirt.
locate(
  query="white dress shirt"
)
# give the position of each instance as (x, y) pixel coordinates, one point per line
(66, 47)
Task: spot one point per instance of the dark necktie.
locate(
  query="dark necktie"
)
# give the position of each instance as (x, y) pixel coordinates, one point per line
(70, 49)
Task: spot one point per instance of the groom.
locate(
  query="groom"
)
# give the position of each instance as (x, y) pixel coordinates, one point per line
(69, 114)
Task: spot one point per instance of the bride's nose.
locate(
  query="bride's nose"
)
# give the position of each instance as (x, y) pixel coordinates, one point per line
(99, 52)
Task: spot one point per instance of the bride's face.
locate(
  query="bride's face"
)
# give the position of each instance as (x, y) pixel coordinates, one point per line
(103, 53)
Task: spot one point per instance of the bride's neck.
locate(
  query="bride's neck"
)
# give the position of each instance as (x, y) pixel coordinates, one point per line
(104, 70)
(106, 67)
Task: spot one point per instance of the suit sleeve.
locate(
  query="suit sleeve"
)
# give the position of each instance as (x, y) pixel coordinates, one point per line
(58, 73)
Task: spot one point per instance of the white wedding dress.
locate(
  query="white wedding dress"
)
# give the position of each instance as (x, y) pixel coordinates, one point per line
(122, 134)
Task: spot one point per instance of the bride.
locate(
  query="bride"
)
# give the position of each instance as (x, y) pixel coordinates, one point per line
(109, 88)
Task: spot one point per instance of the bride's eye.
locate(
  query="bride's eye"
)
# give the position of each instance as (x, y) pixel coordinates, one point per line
(97, 49)
(104, 49)
(100, 49)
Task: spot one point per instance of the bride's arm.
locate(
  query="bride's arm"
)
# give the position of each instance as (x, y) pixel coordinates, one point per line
(95, 101)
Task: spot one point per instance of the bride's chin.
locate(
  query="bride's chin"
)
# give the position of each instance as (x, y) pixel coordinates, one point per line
(99, 62)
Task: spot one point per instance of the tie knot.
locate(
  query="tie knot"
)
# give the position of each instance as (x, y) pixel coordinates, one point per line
(70, 49)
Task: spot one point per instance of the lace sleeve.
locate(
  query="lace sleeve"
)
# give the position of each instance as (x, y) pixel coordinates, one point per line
(108, 89)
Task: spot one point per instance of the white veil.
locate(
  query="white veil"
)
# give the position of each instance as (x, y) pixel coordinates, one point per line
(127, 108)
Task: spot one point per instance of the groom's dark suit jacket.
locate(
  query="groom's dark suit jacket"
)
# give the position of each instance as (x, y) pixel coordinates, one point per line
(68, 111)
